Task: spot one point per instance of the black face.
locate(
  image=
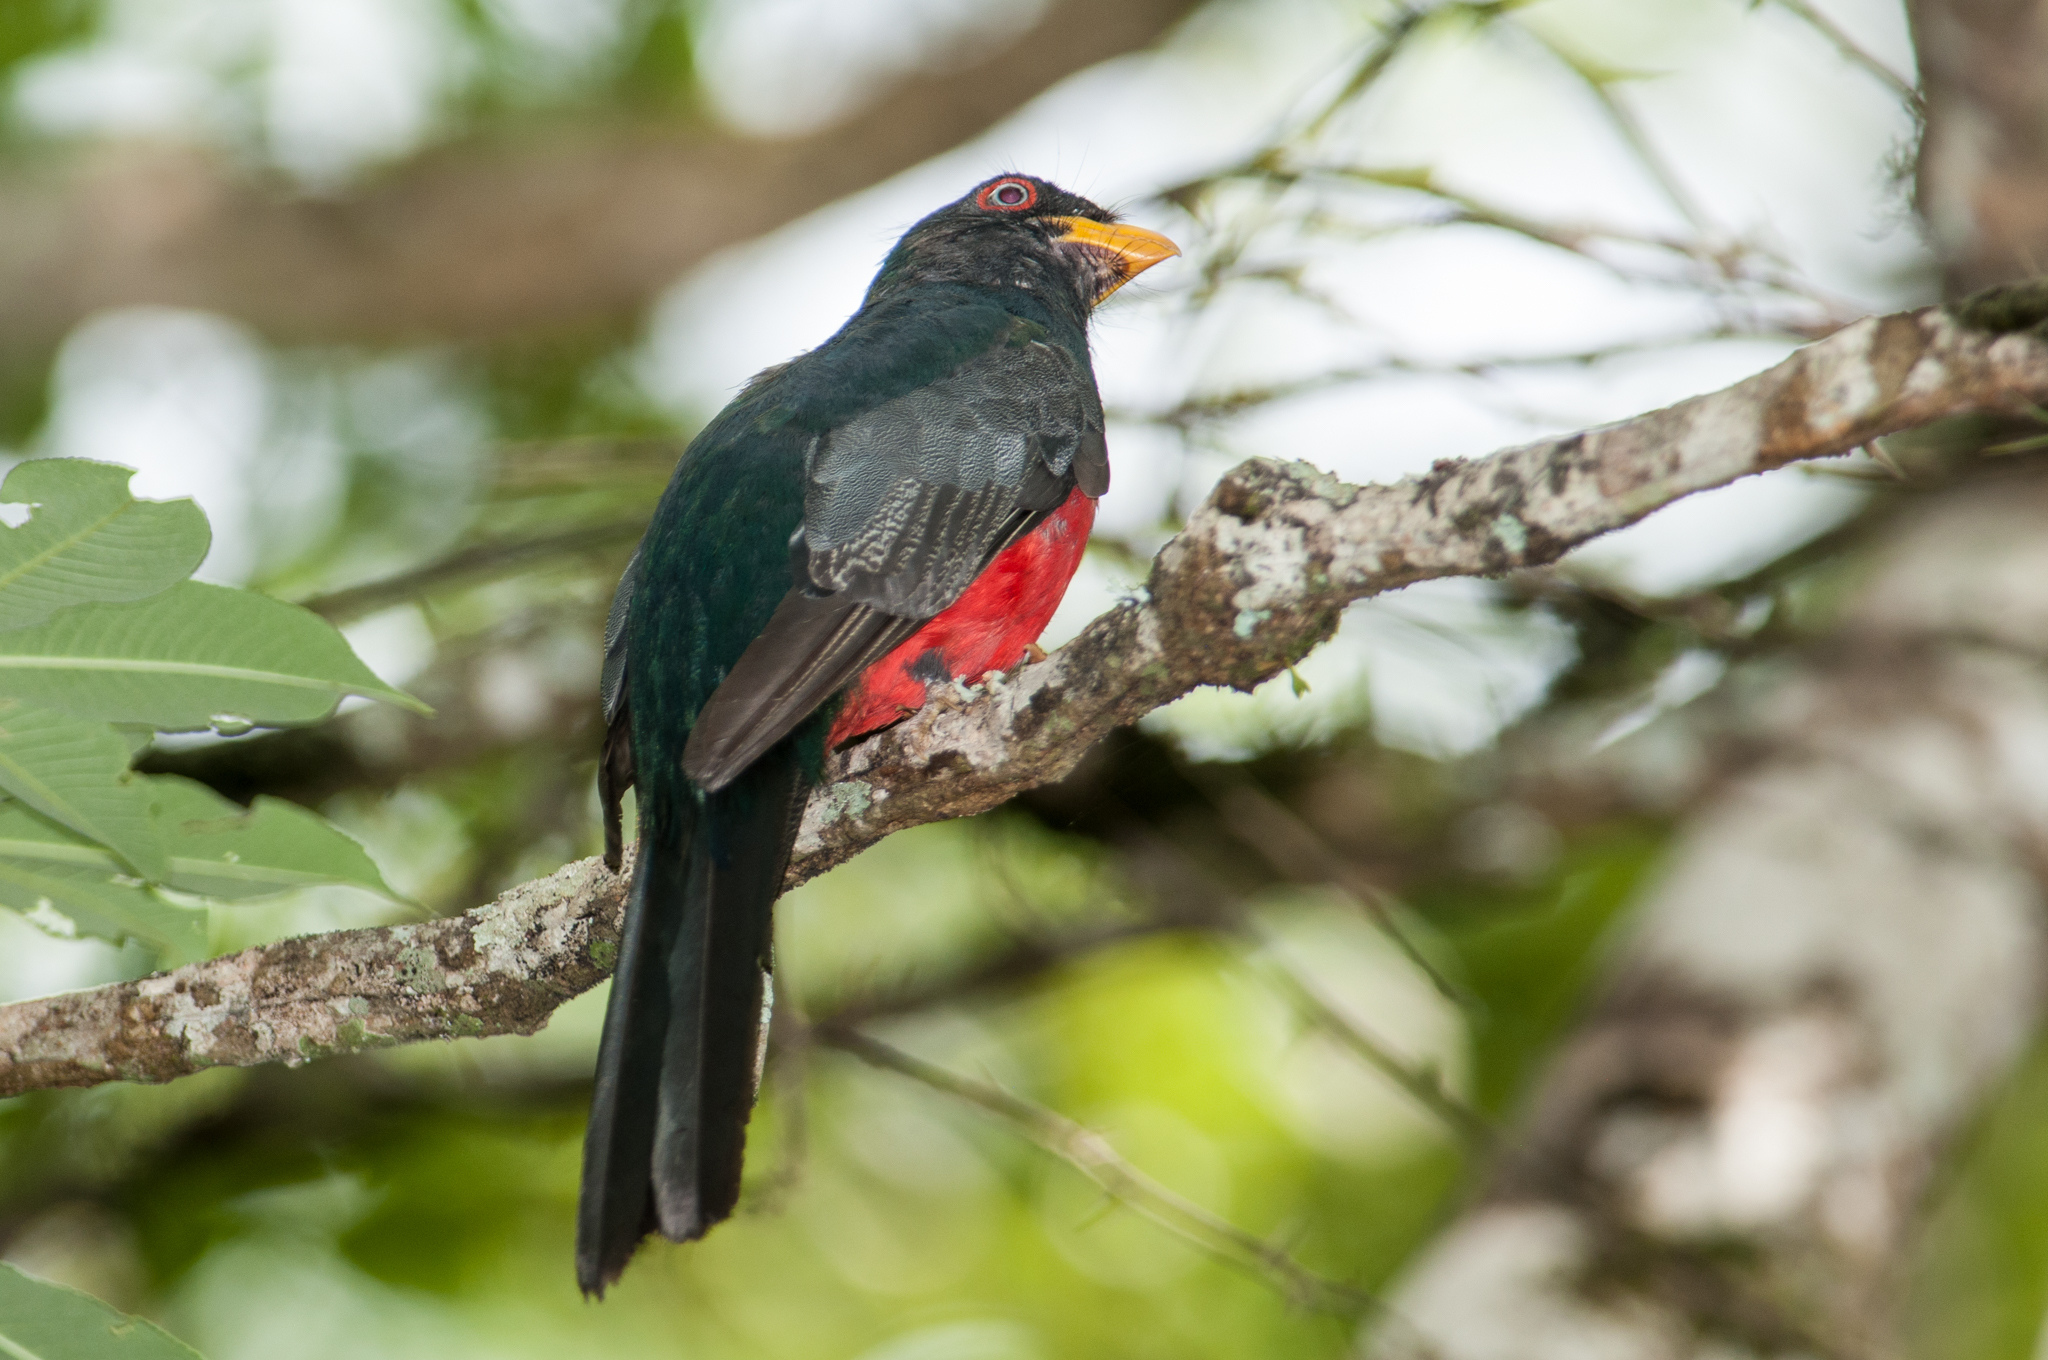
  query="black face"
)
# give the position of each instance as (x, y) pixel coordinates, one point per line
(1007, 232)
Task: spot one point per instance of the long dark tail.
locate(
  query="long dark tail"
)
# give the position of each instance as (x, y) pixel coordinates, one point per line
(679, 1064)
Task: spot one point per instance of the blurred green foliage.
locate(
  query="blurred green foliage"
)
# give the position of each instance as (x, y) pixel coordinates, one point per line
(644, 62)
(1528, 954)
(1981, 1289)
(31, 28)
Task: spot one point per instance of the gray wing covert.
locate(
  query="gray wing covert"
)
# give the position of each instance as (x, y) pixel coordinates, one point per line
(906, 504)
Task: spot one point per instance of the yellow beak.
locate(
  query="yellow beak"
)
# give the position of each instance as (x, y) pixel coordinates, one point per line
(1130, 250)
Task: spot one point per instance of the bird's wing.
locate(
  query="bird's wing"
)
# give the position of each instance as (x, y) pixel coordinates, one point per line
(906, 503)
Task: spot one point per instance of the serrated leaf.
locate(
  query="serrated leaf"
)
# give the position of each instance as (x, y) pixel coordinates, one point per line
(87, 539)
(70, 886)
(218, 848)
(75, 771)
(190, 658)
(44, 1321)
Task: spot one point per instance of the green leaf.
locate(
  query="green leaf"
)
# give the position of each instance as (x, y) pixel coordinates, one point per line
(70, 886)
(75, 771)
(44, 1321)
(221, 849)
(87, 539)
(193, 657)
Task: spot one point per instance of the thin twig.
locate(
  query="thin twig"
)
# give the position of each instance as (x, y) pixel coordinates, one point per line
(1379, 54)
(1091, 1154)
(1422, 1081)
(1856, 54)
(1728, 262)
(554, 467)
(1270, 829)
(1025, 959)
(1218, 406)
(471, 565)
(1631, 131)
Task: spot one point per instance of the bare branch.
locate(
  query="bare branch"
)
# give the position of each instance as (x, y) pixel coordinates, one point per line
(471, 566)
(1090, 1153)
(1638, 140)
(1731, 270)
(1423, 1083)
(1272, 831)
(1261, 574)
(500, 969)
(1855, 54)
(1203, 409)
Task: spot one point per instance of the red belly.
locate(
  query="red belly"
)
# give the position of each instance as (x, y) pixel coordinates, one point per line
(986, 629)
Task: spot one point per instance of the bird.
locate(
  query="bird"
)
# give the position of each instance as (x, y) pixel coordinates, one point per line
(889, 514)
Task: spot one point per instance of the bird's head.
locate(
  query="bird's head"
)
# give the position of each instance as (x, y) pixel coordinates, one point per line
(1019, 231)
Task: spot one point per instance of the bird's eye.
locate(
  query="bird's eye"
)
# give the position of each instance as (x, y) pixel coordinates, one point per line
(1008, 195)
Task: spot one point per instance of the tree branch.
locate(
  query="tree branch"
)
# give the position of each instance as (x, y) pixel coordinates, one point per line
(468, 566)
(1090, 1154)
(489, 239)
(1260, 575)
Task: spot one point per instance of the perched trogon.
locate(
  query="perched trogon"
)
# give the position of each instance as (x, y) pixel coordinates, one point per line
(900, 508)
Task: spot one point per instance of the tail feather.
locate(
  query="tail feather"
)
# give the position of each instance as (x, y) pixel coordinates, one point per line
(615, 1209)
(680, 1060)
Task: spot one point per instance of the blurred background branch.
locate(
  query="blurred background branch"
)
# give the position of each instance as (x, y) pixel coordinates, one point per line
(1091, 1155)
(498, 236)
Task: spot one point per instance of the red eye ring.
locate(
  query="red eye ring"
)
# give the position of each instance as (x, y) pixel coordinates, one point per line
(1007, 195)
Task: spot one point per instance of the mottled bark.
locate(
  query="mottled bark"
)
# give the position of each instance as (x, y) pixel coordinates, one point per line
(1260, 575)
(487, 239)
